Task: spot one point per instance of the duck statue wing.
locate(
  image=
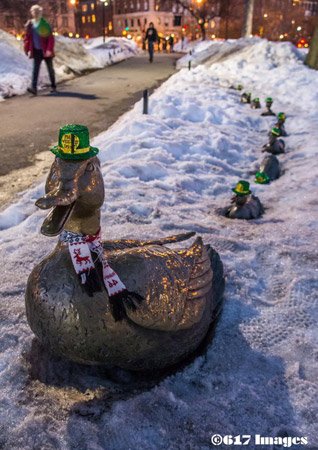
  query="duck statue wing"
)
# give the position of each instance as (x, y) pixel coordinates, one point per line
(175, 284)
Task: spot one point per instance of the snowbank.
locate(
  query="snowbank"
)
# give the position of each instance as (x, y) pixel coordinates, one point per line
(169, 172)
(72, 57)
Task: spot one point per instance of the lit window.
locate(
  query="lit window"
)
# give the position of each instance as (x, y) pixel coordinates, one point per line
(84, 8)
(93, 18)
(92, 6)
(110, 26)
(138, 5)
(83, 19)
(88, 19)
(146, 6)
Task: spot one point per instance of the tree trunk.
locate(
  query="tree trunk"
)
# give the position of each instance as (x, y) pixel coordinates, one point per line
(312, 57)
(248, 22)
(203, 31)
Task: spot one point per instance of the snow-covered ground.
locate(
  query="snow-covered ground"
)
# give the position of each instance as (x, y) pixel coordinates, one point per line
(73, 57)
(165, 173)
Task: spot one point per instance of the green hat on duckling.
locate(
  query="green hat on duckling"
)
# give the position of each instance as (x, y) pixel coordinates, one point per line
(74, 143)
(281, 116)
(261, 178)
(275, 131)
(269, 100)
(242, 188)
(256, 99)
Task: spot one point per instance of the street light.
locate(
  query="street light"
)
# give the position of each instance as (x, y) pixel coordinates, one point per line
(104, 3)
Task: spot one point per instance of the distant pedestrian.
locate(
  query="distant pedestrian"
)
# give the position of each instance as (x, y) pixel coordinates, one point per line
(39, 45)
(171, 42)
(151, 37)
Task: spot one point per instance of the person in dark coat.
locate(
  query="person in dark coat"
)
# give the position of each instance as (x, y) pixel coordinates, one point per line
(151, 37)
(39, 45)
(171, 43)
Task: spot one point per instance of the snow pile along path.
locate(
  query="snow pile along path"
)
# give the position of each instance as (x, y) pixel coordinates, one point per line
(73, 57)
(165, 173)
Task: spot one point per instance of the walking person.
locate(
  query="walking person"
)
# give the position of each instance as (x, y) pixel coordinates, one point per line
(151, 37)
(171, 42)
(39, 45)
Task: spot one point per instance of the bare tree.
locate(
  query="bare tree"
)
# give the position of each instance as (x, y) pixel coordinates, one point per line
(312, 57)
(202, 10)
(19, 8)
(248, 22)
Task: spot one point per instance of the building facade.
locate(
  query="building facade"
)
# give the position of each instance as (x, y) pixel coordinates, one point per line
(94, 17)
(132, 18)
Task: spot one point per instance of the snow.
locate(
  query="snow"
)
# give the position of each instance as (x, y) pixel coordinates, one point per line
(165, 173)
(73, 57)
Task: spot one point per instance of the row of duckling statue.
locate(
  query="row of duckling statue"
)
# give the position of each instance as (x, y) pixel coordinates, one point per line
(255, 103)
(245, 205)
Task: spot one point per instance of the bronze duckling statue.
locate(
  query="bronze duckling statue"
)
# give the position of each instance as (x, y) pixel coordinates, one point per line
(246, 97)
(138, 305)
(268, 104)
(255, 103)
(271, 167)
(275, 146)
(280, 124)
(244, 205)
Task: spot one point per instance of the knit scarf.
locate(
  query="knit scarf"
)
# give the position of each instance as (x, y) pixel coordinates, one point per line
(80, 247)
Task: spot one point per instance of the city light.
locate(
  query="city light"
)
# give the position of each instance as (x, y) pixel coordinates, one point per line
(265, 15)
(298, 28)
(70, 34)
(281, 36)
(73, 2)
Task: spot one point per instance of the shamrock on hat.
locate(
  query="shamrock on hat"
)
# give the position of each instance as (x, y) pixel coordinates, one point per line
(261, 178)
(74, 143)
(242, 188)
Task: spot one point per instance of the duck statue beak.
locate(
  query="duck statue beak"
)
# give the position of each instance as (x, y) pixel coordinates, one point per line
(54, 222)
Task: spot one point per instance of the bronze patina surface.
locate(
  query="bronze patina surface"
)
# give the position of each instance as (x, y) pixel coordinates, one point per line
(182, 289)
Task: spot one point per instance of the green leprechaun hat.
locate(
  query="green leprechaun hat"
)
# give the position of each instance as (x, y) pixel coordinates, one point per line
(275, 131)
(261, 178)
(74, 143)
(268, 100)
(281, 116)
(242, 188)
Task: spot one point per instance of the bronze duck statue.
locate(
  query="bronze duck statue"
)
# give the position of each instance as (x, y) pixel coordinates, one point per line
(172, 296)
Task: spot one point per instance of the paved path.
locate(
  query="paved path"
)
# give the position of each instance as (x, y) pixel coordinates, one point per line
(29, 125)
